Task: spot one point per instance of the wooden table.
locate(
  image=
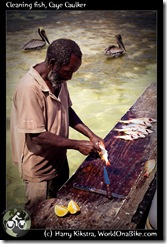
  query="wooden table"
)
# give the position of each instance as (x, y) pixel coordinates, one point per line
(126, 174)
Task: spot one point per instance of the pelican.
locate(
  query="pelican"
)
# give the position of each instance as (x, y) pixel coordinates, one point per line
(115, 51)
(37, 43)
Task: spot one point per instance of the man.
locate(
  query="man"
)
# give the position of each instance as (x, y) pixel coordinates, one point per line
(40, 120)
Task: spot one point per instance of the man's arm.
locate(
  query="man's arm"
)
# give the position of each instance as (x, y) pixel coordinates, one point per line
(50, 140)
(76, 123)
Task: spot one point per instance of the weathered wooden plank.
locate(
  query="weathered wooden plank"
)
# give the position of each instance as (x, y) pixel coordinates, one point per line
(126, 174)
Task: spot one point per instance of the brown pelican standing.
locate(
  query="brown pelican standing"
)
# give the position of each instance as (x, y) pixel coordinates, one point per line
(37, 43)
(115, 51)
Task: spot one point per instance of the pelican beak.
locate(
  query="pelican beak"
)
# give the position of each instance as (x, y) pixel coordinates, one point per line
(46, 38)
(120, 42)
(43, 33)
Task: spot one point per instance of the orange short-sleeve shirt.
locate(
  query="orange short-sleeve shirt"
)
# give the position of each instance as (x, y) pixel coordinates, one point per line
(35, 110)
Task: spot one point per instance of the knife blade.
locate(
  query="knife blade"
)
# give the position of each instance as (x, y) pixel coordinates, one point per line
(107, 181)
(95, 190)
(106, 178)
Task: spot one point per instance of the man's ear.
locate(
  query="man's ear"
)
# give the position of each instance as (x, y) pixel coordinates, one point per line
(52, 62)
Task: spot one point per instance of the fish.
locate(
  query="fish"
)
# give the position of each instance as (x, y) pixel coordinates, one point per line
(125, 129)
(130, 131)
(140, 128)
(133, 135)
(151, 120)
(140, 121)
(149, 166)
(126, 137)
(135, 127)
(136, 121)
(149, 131)
(143, 130)
(104, 154)
(136, 134)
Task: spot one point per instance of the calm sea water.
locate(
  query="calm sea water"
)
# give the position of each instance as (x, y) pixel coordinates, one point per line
(103, 89)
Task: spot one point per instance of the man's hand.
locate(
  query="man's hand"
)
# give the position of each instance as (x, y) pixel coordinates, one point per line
(86, 147)
(96, 140)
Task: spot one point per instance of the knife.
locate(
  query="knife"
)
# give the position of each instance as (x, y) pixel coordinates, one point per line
(107, 181)
(95, 190)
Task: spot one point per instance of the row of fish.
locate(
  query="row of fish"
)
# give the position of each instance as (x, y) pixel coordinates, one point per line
(135, 128)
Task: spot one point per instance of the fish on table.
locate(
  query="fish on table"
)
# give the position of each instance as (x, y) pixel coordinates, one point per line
(135, 128)
(126, 137)
(104, 154)
(140, 121)
(130, 130)
(136, 134)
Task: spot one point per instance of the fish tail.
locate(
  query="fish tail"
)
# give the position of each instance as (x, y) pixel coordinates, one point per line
(108, 163)
(146, 174)
(124, 121)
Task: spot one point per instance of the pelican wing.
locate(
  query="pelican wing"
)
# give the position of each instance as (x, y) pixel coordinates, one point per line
(113, 50)
(34, 44)
(116, 50)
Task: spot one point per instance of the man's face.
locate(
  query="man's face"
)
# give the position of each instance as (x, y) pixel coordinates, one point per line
(64, 73)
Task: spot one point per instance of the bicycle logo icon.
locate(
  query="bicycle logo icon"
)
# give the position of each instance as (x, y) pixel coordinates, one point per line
(16, 221)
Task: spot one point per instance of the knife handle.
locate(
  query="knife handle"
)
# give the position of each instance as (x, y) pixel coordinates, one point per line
(109, 195)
